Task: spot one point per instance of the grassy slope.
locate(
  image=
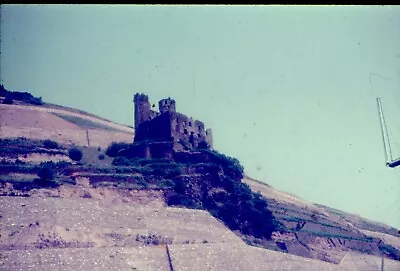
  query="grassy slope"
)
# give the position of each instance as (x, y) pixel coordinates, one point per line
(60, 107)
(86, 124)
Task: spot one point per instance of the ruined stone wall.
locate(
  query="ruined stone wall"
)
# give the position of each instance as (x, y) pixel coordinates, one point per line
(153, 114)
(162, 150)
(167, 125)
(158, 129)
(188, 130)
(153, 150)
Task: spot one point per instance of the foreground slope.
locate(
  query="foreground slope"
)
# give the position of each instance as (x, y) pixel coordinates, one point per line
(69, 231)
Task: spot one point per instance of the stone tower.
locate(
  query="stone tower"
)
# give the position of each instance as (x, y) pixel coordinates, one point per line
(142, 108)
(165, 105)
(209, 138)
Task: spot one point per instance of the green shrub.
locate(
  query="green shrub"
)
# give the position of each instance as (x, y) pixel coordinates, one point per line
(46, 171)
(145, 167)
(22, 145)
(3, 91)
(115, 147)
(146, 171)
(20, 96)
(166, 170)
(17, 168)
(147, 161)
(35, 101)
(233, 202)
(141, 182)
(207, 167)
(62, 164)
(121, 161)
(180, 186)
(67, 181)
(231, 166)
(165, 184)
(203, 145)
(8, 100)
(182, 200)
(43, 183)
(24, 186)
(127, 169)
(75, 154)
(50, 144)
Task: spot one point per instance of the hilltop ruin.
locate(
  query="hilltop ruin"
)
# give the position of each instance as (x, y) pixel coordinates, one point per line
(160, 133)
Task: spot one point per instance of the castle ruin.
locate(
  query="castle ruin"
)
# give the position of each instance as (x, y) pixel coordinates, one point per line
(167, 126)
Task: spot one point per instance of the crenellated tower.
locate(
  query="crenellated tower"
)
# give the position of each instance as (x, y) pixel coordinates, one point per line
(142, 109)
(167, 105)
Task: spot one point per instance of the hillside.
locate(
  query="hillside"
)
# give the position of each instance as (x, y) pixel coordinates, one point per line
(60, 124)
(105, 216)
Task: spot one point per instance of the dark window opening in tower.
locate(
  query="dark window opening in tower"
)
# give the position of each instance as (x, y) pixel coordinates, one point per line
(185, 131)
(198, 135)
(190, 124)
(199, 128)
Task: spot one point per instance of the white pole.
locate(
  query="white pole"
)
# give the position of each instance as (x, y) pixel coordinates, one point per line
(385, 135)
